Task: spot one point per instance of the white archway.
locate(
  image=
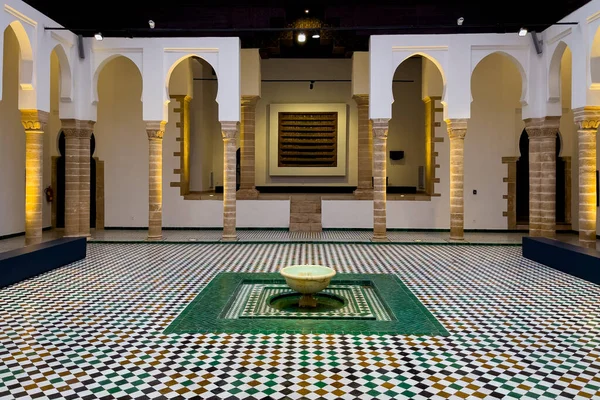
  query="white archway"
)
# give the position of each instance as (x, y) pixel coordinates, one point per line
(101, 66)
(516, 63)
(66, 80)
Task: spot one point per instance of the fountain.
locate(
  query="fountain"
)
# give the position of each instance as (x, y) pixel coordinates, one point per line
(308, 280)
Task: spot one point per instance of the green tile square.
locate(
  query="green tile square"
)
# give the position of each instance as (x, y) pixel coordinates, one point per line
(205, 313)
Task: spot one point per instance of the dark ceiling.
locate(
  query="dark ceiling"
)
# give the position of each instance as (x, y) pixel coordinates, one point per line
(272, 26)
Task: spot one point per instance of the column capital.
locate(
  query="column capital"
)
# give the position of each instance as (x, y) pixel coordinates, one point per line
(155, 129)
(546, 127)
(380, 127)
(457, 128)
(249, 101)
(361, 99)
(229, 129)
(77, 128)
(34, 120)
(588, 118)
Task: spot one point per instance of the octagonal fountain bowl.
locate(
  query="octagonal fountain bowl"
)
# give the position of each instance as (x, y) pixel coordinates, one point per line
(307, 280)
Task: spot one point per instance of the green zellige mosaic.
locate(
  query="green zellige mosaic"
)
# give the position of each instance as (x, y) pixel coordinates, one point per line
(373, 303)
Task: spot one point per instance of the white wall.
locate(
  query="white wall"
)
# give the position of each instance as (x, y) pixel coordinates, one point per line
(299, 92)
(407, 126)
(493, 132)
(568, 131)
(122, 142)
(51, 133)
(426, 214)
(12, 147)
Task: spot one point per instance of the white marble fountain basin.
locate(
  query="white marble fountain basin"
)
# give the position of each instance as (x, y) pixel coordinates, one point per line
(307, 279)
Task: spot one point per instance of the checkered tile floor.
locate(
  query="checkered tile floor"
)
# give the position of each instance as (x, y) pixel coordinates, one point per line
(284, 236)
(92, 330)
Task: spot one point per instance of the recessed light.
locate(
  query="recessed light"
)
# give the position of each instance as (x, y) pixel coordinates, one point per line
(98, 36)
(523, 32)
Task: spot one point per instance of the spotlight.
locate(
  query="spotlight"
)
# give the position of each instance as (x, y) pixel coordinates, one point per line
(523, 32)
(312, 85)
(301, 37)
(460, 21)
(316, 36)
(98, 36)
(151, 24)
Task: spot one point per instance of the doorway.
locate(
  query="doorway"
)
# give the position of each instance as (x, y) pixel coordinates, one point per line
(60, 182)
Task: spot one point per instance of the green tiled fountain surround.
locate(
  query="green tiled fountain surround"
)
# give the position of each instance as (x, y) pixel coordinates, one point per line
(222, 307)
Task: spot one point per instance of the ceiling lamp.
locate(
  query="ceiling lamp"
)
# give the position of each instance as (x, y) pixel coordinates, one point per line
(523, 32)
(316, 36)
(301, 37)
(306, 11)
(98, 36)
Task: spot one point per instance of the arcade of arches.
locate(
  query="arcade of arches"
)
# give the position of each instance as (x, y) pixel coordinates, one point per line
(506, 173)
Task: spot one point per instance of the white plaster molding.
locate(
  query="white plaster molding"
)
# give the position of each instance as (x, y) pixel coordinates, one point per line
(593, 17)
(559, 36)
(20, 16)
(117, 50)
(419, 48)
(499, 47)
(62, 40)
(191, 50)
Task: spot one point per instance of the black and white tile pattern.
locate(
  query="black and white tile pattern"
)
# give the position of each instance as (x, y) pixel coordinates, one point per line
(92, 330)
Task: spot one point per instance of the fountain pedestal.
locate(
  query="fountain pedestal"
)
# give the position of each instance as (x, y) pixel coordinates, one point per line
(307, 280)
(307, 300)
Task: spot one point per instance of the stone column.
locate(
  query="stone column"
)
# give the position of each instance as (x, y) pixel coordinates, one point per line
(247, 149)
(380, 131)
(457, 129)
(85, 135)
(71, 132)
(542, 175)
(587, 119)
(365, 149)
(534, 129)
(155, 131)
(34, 122)
(229, 131)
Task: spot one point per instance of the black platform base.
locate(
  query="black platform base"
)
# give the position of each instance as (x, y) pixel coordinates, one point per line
(574, 260)
(18, 265)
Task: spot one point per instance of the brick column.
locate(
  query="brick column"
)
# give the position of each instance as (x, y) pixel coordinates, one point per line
(229, 131)
(247, 149)
(85, 135)
(587, 119)
(542, 175)
(380, 131)
(155, 131)
(364, 189)
(533, 128)
(71, 132)
(34, 122)
(457, 129)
